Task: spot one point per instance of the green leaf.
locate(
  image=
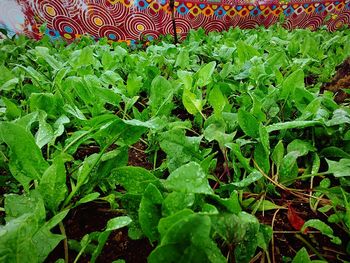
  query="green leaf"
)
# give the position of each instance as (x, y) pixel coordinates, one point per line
(278, 153)
(133, 179)
(291, 125)
(262, 205)
(88, 198)
(251, 178)
(188, 240)
(16, 239)
(12, 111)
(288, 169)
(26, 161)
(83, 57)
(45, 133)
(18, 205)
(248, 123)
(189, 178)
(340, 168)
(213, 132)
(44, 52)
(303, 147)
(247, 242)
(177, 201)
(161, 95)
(179, 148)
(323, 227)
(133, 84)
(217, 100)
(193, 103)
(7, 80)
(204, 75)
(118, 222)
(150, 212)
(52, 185)
(301, 256)
(293, 81)
(183, 59)
(264, 138)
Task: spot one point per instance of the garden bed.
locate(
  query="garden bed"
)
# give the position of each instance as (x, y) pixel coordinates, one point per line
(228, 147)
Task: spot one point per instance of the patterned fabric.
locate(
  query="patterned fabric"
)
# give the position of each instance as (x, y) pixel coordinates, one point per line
(130, 20)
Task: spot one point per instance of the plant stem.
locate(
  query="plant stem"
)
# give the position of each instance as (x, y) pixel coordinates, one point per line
(65, 242)
(298, 236)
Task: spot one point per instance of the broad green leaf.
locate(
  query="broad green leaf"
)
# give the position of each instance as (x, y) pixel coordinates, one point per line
(180, 149)
(88, 198)
(204, 75)
(260, 205)
(193, 103)
(16, 239)
(118, 222)
(26, 161)
(150, 212)
(303, 147)
(340, 168)
(291, 125)
(133, 84)
(264, 138)
(133, 179)
(182, 59)
(213, 132)
(278, 153)
(44, 52)
(261, 158)
(323, 227)
(177, 201)
(7, 80)
(12, 111)
(45, 133)
(251, 178)
(217, 100)
(288, 169)
(188, 240)
(246, 237)
(47, 102)
(186, 79)
(189, 178)
(86, 168)
(248, 123)
(301, 256)
(18, 205)
(161, 95)
(293, 81)
(52, 185)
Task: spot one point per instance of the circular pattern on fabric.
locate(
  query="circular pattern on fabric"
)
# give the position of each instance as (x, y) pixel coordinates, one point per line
(341, 20)
(112, 33)
(312, 22)
(215, 25)
(47, 10)
(182, 27)
(67, 25)
(94, 17)
(248, 23)
(136, 23)
(150, 35)
(157, 16)
(196, 21)
(118, 11)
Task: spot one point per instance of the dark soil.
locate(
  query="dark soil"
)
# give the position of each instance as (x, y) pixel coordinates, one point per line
(92, 217)
(340, 81)
(138, 157)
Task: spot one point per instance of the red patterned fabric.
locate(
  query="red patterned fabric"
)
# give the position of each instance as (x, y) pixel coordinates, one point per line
(129, 20)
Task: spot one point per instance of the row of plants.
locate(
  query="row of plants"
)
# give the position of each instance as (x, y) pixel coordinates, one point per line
(231, 121)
